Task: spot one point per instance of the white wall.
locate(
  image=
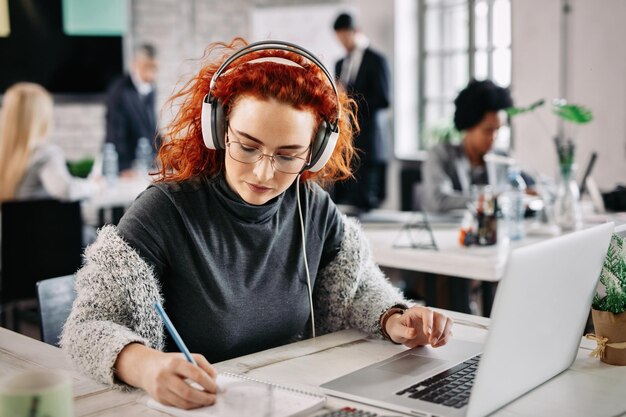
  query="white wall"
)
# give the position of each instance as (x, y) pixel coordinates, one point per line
(596, 78)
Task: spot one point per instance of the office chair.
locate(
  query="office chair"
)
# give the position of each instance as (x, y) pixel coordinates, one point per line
(40, 239)
(55, 297)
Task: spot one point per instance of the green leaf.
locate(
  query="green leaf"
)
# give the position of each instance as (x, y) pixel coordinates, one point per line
(613, 278)
(442, 132)
(572, 112)
(514, 111)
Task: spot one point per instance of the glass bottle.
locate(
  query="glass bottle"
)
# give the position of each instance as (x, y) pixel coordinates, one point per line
(567, 210)
(110, 167)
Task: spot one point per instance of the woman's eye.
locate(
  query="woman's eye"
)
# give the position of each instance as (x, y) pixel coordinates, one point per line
(249, 149)
(285, 158)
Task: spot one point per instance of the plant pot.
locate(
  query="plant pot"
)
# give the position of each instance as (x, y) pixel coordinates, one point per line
(613, 327)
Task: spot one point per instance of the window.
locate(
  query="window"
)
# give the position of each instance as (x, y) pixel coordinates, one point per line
(455, 40)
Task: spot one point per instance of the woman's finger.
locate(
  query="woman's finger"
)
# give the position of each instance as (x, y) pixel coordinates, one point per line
(438, 328)
(191, 397)
(447, 333)
(415, 315)
(204, 364)
(166, 396)
(195, 373)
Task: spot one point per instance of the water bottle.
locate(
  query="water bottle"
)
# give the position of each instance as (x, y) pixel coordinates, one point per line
(143, 156)
(110, 167)
(514, 204)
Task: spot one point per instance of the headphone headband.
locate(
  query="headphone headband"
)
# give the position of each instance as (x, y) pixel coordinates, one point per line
(280, 46)
(213, 117)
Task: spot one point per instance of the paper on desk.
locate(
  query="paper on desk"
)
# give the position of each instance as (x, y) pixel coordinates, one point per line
(245, 397)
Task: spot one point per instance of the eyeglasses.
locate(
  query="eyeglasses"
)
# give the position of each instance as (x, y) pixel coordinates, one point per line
(246, 154)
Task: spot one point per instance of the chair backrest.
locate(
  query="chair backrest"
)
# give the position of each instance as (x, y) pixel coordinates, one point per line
(55, 296)
(40, 239)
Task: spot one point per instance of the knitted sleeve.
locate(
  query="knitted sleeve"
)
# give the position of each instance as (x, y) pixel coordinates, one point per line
(116, 290)
(351, 291)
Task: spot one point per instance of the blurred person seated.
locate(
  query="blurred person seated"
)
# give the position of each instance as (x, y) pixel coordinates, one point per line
(451, 169)
(30, 166)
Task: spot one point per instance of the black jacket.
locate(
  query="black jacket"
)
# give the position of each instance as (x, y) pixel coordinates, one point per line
(129, 117)
(370, 89)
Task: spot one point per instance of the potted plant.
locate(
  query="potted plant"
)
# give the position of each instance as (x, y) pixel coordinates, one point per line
(567, 211)
(609, 306)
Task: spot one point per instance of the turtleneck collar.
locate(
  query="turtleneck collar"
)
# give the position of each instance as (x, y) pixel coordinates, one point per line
(241, 210)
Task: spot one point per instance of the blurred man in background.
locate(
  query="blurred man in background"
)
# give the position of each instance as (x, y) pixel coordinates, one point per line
(131, 108)
(364, 74)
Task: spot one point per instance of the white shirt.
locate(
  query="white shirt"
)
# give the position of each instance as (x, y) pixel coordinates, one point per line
(352, 62)
(142, 87)
(47, 176)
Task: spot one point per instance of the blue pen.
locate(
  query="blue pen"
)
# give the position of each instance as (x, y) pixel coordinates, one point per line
(170, 328)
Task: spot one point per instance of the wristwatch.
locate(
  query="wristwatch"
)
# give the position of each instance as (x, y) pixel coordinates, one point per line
(382, 321)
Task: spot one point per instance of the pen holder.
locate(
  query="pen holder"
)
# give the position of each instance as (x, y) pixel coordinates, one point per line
(481, 228)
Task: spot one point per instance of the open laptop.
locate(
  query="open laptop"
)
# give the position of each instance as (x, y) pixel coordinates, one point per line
(538, 318)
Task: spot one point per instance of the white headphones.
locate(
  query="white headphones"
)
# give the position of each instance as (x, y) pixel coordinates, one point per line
(214, 121)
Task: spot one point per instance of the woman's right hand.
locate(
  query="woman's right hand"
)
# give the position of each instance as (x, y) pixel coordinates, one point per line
(163, 376)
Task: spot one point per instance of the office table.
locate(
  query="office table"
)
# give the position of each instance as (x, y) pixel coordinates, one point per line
(109, 205)
(455, 262)
(485, 263)
(588, 388)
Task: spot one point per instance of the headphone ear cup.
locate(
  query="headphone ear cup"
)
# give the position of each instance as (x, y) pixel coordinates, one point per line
(323, 146)
(218, 124)
(213, 123)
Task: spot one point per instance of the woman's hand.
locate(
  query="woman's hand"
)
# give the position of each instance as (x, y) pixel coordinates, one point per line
(419, 326)
(163, 376)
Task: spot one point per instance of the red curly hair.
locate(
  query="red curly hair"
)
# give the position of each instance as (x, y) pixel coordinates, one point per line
(184, 154)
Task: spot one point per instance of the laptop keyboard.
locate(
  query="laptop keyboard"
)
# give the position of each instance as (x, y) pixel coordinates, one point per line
(451, 387)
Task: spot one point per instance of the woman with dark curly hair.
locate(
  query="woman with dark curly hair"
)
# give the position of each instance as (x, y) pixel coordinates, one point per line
(451, 169)
(237, 240)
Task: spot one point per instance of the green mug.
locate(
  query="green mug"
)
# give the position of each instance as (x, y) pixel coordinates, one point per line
(36, 394)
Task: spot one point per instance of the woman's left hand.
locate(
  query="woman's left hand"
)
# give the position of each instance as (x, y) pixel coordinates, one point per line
(419, 326)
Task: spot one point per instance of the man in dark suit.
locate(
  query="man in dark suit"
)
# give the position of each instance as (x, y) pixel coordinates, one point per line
(364, 74)
(130, 108)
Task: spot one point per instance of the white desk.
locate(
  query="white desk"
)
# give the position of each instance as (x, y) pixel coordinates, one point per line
(588, 388)
(120, 195)
(485, 263)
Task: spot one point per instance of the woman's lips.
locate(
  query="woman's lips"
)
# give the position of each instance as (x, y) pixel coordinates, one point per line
(258, 188)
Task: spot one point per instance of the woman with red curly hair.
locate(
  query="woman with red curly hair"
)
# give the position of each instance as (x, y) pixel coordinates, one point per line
(237, 239)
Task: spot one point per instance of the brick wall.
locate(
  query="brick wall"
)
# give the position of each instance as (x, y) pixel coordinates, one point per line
(78, 128)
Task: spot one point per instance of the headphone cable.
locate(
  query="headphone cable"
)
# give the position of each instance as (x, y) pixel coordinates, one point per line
(306, 262)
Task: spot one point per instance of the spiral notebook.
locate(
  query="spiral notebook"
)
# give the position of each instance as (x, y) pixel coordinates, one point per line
(246, 397)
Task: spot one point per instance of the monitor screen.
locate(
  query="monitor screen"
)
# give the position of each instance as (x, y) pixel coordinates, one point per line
(36, 48)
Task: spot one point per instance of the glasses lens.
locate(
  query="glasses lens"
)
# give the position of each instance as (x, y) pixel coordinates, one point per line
(288, 164)
(246, 154)
(250, 155)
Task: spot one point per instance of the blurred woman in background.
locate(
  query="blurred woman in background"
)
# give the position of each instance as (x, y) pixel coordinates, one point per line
(30, 166)
(451, 169)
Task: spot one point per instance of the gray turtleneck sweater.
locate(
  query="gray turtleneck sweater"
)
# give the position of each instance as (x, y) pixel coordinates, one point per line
(217, 257)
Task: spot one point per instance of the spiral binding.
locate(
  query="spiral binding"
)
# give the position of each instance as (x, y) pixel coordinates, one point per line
(274, 385)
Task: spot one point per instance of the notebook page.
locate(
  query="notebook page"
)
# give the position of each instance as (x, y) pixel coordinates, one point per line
(245, 397)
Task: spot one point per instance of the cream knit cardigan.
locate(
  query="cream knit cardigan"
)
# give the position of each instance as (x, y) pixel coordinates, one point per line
(116, 290)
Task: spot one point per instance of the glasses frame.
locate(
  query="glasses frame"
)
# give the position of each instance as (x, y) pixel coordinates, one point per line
(306, 161)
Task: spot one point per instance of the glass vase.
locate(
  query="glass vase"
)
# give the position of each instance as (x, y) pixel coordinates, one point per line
(567, 210)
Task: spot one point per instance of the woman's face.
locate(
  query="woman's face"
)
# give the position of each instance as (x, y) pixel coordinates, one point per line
(275, 129)
(482, 136)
